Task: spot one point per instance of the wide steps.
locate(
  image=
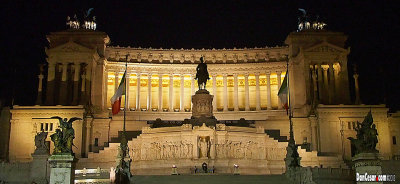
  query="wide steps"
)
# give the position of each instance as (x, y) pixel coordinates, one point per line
(212, 179)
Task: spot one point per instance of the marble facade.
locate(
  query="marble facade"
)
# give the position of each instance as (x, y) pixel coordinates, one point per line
(83, 72)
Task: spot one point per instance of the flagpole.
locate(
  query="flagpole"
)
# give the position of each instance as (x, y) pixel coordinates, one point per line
(126, 68)
(292, 156)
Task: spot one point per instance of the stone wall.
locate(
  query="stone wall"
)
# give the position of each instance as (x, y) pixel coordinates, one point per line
(157, 149)
(15, 172)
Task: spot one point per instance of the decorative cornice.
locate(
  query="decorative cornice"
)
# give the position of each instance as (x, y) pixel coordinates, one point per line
(140, 55)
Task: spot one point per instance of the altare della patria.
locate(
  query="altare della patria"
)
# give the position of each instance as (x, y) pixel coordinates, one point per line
(108, 113)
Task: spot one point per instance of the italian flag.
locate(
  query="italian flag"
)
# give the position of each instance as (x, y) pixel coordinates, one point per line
(283, 93)
(116, 99)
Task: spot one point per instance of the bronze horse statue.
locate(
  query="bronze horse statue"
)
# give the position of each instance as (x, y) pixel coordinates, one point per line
(202, 74)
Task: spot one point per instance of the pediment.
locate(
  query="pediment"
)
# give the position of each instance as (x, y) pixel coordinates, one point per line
(71, 47)
(326, 47)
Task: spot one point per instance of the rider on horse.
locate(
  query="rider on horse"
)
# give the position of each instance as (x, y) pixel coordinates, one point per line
(202, 74)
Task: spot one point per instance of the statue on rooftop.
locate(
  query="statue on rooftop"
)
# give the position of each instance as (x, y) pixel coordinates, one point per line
(202, 74)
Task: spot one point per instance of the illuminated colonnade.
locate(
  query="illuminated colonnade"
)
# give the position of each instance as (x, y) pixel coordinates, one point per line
(172, 92)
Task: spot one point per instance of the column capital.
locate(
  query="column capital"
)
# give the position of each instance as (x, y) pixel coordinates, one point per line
(257, 74)
(246, 75)
(40, 76)
(325, 67)
(225, 75)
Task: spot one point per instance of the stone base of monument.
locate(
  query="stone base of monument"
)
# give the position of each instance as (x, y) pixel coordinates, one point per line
(202, 111)
(369, 163)
(39, 168)
(62, 169)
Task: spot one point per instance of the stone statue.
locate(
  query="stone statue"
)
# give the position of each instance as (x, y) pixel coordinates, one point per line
(202, 74)
(204, 146)
(366, 136)
(58, 142)
(40, 142)
(64, 139)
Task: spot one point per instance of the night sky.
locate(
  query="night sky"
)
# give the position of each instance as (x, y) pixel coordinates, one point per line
(372, 29)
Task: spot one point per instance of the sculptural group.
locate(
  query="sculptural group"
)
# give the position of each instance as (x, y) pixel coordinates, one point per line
(63, 139)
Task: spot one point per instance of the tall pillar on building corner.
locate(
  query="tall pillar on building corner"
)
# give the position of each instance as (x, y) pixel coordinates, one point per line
(77, 68)
(62, 100)
(278, 77)
(50, 84)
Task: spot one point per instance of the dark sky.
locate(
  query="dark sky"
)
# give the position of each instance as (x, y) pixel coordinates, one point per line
(372, 28)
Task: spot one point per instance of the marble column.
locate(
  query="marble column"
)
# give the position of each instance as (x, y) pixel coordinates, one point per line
(258, 100)
(138, 92)
(326, 84)
(192, 83)
(357, 89)
(236, 93)
(77, 68)
(160, 97)
(40, 87)
(63, 85)
(149, 92)
(247, 91)
(127, 93)
(83, 97)
(225, 81)
(193, 90)
(171, 93)
(50, 84)
(320, 83)
(331, 84)
(116, 81)
(269, 104)
(214, 78)
(278, 77)
(182, 95)
(336, 69)
(315, 85)
(314, 139)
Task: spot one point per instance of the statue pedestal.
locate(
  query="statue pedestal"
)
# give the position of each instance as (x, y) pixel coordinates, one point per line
(62, 169)
(202, 104)
(369, 163)
(39, 168)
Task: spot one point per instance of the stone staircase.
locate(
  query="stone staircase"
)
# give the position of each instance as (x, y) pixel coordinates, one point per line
(276, 135)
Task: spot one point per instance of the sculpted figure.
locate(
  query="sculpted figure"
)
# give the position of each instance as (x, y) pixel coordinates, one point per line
(204, 146)
(57, 139)
(366, 136)
(65, 142)
(202, 74)
(40, 140)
